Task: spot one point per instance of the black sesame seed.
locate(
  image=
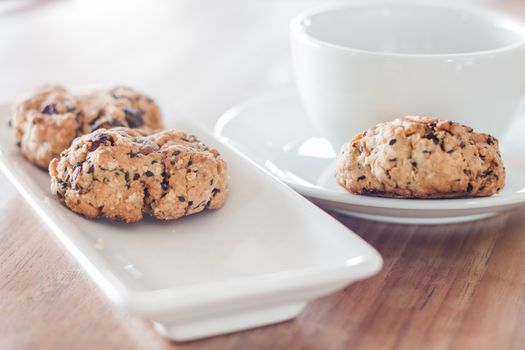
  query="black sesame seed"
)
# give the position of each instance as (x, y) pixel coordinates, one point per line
(181, 198)
(469, 187)
(136, 177)
(154, 161)
(148, 173)
(50, 109)
(126, 176)
(132, 154)
(362, 177)
(431, 136)
(91, 169)
(164, 186)
(117, 173)
(392, 142)
(190, 163)
(190, 203)
(176, 153)
(100, 139)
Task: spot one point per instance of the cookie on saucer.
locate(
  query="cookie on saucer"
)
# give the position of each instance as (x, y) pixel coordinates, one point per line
(421, 157)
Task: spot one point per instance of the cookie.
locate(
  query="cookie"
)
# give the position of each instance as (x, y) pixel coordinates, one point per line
(46, 123)
(123, 174)
(421, 157)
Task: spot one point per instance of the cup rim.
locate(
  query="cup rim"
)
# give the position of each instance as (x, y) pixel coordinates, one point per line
(297, 28)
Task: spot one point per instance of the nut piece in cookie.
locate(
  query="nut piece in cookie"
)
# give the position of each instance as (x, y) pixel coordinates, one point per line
(421, 157)
(123, 174)
(46, 123)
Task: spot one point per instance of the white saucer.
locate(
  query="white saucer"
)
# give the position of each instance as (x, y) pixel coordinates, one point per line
(274, 132)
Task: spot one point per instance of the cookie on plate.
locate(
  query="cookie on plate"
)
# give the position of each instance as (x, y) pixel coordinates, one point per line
(123, 174)
(421, 157)
(46, 123)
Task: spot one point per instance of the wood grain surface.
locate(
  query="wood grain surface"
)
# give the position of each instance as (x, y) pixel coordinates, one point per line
(442, 287)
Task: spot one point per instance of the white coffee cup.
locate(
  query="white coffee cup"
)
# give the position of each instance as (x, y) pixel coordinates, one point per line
(358, 65)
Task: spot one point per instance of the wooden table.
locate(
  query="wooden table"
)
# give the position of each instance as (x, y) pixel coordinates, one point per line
(456, 286)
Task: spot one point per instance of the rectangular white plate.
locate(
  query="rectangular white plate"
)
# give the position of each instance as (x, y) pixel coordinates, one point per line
(256, 261)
